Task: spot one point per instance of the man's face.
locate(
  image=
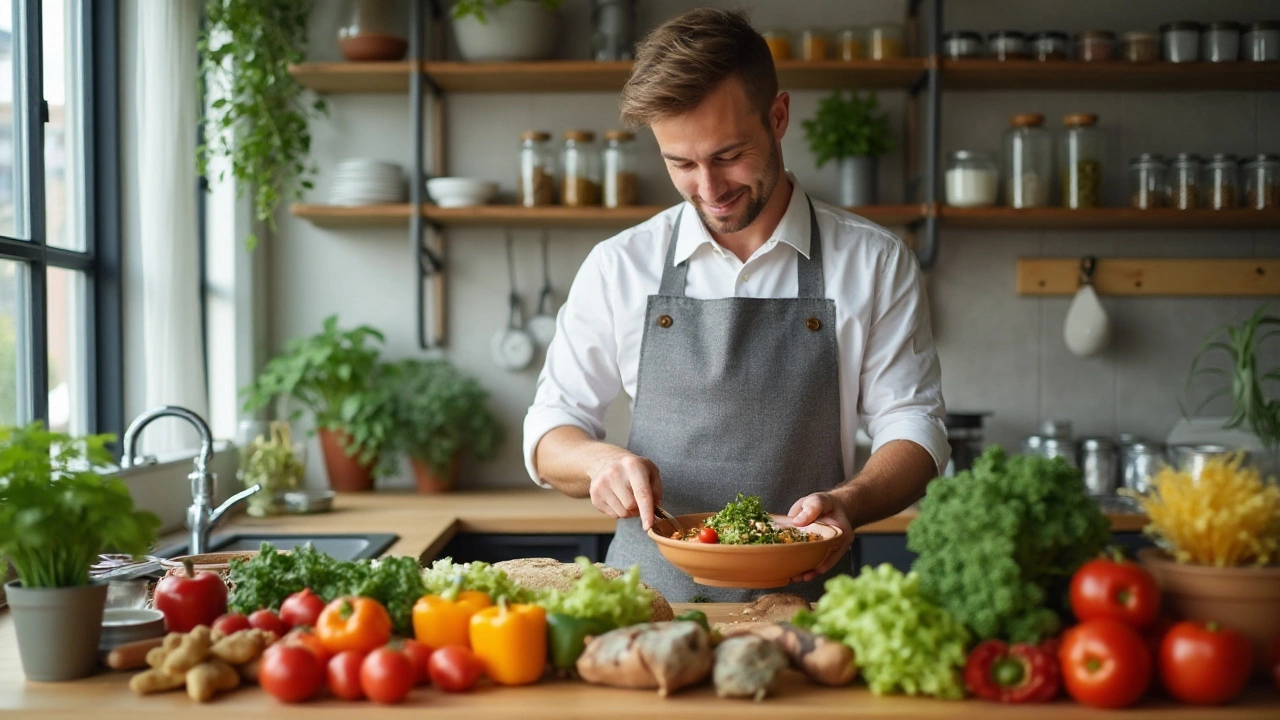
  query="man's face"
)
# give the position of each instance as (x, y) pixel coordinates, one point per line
(723, 158)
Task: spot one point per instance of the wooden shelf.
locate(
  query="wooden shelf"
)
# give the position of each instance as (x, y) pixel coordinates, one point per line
(1116, 75)
(396, 215)
(1004, 218)
(581, 75)
(1183, 277)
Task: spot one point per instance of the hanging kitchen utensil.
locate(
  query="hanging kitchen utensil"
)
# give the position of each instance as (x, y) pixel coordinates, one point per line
(1087, 329)
(512, 346)
(543, 324)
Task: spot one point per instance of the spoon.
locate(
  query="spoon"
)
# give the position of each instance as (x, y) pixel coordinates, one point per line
(669, 517)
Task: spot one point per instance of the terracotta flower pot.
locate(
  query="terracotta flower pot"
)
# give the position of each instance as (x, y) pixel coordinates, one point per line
(431, 482)
(1246, 599)
(346, 474)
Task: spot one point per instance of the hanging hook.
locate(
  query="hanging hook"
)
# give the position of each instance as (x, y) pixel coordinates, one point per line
(1088, 264)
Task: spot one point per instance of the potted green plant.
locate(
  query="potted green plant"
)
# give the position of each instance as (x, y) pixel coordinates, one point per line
(499, 30)
(440, 413)
(854, 134)
(57, 513)
(336, 375)
(258, 119)
(270, 459)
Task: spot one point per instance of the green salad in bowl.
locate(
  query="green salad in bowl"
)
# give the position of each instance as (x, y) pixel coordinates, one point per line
(744, 522)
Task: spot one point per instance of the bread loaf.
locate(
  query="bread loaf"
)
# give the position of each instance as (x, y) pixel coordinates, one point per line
(540, 573)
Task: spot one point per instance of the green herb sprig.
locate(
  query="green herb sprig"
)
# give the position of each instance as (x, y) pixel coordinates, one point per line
(476, 8)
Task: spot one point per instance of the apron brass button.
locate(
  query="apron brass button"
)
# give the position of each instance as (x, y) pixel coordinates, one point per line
(813, 323)
(664, 321)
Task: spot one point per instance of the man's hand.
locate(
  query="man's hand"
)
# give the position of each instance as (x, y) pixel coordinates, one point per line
(626, 485)
(823, 507)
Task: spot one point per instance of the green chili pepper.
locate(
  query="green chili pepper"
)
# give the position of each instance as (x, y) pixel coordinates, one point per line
(696, 616)
(567, 636)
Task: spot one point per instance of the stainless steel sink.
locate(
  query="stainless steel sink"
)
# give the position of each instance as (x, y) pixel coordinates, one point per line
(343, 546)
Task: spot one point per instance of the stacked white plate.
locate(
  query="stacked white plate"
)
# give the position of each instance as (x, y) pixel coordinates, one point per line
(361, 181)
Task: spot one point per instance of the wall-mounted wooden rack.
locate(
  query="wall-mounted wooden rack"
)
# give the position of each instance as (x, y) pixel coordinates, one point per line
(1189, 277)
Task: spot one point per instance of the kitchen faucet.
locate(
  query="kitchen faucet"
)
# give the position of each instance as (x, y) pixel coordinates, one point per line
(201, 518)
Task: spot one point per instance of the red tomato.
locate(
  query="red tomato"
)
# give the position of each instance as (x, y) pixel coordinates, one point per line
(301, 608)
(454, 668)
(708, 535)
(231, 623)
(387, 675)
(268, 620)
(419, 655)
(291, 673)
(1104, 663)
(307, 638)
(344, 675)
(1117, 589)
(1205, 663)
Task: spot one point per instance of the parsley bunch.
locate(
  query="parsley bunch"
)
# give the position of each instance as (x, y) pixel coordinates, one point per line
(736, 523)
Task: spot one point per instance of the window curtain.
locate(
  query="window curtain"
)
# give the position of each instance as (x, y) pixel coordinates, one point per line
(163, 284)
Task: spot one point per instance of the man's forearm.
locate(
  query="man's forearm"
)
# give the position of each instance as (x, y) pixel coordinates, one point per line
(894, 477)
(564, 458)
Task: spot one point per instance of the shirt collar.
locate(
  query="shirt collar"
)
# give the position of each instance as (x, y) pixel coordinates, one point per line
(793, 229)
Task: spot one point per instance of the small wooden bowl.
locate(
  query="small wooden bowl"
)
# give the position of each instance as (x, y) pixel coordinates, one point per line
(218, 562)
(743, 566)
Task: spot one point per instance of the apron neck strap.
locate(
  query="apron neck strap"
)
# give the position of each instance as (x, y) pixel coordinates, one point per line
(808, 269)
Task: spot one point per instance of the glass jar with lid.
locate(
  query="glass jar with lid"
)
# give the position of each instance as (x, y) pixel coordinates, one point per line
(579, 169)
(1028, 162)
(1140, 46)
(884, 42)
(373, 30)
(1184, 181)
(972, 179)
(1050, 45)
(536, 183)
(853, 43)
(779, 42)
(1262, 182)
(815, 44)
(1180, 41)
(1220, 41)
(1148, 182)
(1221, 180)
(1095, 45)
(962, 45)
(1081, 161)
(619, 162)
(1261, 41)
(1007, 45)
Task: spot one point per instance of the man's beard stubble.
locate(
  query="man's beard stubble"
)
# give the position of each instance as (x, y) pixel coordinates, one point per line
(758, 197)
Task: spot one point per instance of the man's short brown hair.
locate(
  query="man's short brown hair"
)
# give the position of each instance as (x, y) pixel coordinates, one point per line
(682, 61)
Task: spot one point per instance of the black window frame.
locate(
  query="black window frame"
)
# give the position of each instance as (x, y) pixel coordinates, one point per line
(100, 261)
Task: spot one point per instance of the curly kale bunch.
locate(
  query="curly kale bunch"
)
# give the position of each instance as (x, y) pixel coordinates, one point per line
(997, 545)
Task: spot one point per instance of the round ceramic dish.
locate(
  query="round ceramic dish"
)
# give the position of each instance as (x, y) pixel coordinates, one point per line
(742, 566)
(126, 625)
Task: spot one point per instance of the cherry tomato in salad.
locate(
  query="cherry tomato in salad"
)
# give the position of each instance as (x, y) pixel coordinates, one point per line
(708, 535)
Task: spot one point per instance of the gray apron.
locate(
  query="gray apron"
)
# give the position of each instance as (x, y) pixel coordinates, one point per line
(734, 395)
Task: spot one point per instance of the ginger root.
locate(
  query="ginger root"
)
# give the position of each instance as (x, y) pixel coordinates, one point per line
(240, 647)
(191, 651)
(155, 680)
(208, 678)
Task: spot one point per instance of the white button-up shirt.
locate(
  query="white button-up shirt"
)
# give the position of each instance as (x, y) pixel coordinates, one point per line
(890, 379)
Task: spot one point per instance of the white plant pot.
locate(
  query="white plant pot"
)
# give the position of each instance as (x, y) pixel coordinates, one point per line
(519, 30)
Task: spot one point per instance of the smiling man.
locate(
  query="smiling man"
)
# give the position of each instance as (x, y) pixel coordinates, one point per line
(754, 328)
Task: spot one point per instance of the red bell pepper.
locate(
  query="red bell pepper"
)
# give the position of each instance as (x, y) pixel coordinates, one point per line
(1022, 673)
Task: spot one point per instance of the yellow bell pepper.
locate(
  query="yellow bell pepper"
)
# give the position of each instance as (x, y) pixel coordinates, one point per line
(440, 620)
(511, 642)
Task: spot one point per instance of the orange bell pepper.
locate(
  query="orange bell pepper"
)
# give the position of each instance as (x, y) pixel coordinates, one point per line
(440, 620)
(511, 642)
(353, 623)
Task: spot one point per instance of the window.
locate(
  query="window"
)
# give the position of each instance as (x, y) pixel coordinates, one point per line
(59, 238)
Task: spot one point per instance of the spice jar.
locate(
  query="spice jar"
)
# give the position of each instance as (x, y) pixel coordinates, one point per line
(1220, 181)
(971, 179)
(1049, 46)
(814, 45)
(580, 169)
(1140, 46)
(1184, 181)
(1262, 182)
(853, 42)
(884, 42)
(536, 184)
(1148, 186)
(779, 42)
(619, 163)
(1081, 161)
(1095, 45)
(1180, 41)
(962, 45)
(1028, 162)
(1261, 41)
(1007, 45)
(1220, 41)
(373, 30)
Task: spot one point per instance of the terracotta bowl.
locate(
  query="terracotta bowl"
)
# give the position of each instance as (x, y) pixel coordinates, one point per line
(742, 566)
(1246, 599)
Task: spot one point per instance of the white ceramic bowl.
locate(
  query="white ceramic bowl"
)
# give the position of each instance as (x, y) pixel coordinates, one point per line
(460, 192)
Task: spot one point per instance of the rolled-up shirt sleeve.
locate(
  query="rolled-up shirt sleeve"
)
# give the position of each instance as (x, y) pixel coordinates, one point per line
(580, 377)
(901, 379)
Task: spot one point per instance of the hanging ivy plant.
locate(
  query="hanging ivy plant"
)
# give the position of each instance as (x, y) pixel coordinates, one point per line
(258, 120)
